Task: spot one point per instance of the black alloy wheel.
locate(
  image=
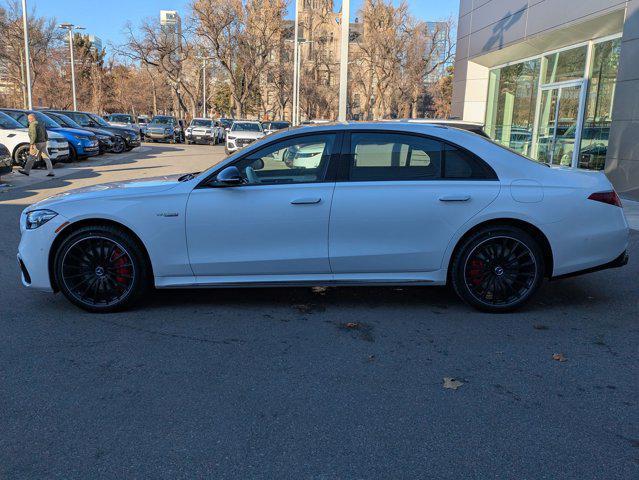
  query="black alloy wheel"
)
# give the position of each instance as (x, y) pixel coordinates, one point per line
(100, 269)
(498, 270)
(119, 145)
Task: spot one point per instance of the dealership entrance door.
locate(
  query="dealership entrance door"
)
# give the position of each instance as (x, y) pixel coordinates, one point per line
(559, 123)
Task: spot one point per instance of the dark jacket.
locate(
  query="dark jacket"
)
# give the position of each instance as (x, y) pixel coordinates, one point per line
(37, 133)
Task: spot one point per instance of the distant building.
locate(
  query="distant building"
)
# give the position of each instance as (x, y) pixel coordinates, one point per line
(171, 22)
(96, 43)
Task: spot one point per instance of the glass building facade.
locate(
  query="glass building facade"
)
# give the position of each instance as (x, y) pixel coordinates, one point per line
(545, 106)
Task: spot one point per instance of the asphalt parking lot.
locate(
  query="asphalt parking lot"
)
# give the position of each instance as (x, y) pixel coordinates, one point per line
(344, 383)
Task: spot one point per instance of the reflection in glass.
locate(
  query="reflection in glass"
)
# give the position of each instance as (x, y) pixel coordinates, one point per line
(511, 105)
(601, 93)
(566, 65)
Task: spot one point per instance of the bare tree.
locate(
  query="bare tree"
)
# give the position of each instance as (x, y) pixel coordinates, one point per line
(240, 35)
(43, 37)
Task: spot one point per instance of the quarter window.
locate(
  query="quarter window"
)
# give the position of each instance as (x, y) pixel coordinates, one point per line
(298, 160)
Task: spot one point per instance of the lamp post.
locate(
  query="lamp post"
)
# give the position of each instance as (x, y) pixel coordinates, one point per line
(343, 69)
(27, 53)
(296, 53)
(297, 69)
(204, 59)
(70, 27)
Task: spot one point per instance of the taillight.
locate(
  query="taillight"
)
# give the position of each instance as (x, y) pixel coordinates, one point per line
(610, 198)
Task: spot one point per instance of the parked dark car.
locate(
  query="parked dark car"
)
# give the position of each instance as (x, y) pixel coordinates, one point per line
(165, 128)
(82, 143)
(125, 138)
(106, 139)
(6, 162)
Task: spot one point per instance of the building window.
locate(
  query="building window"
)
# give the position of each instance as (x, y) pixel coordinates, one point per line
(566, 65)
(510, 113)
(601, 94)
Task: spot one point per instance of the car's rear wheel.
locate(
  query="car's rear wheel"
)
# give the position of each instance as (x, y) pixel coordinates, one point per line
(101, 269)
(498, 269)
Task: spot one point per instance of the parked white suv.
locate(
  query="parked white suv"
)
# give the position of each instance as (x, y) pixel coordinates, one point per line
(242, 134)
(16, 138)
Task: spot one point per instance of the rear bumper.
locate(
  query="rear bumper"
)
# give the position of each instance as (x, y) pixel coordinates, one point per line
(618, 262)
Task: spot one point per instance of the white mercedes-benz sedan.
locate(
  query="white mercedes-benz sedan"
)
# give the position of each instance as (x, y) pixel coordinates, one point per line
(337, 204)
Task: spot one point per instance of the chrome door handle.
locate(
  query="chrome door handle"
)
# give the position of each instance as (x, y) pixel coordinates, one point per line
(454, 198)
(306, 201)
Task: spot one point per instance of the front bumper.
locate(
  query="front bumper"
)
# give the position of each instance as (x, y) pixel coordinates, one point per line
(133, 142)
(199, 138)
(106, 145)
(33, 253)
(158, 135)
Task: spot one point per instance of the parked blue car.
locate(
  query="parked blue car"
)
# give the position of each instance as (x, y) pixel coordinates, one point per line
(82, 143)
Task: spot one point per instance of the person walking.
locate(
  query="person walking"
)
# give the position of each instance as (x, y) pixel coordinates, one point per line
(38, 147)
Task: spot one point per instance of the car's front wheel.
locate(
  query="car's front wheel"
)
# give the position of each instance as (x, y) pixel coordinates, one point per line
(497, 269)
(119, 145)
(101, 269)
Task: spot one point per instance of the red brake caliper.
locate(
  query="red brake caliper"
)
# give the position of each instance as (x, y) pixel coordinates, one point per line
(476, 268)
(121, 267)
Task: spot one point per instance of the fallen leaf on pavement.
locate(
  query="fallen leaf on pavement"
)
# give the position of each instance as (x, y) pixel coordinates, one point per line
(319, 290)
(451, 383)
(352, 325)
(540, 327)
(559, 357)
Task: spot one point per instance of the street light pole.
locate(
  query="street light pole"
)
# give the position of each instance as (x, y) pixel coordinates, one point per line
(343, 70)
(296, 73)
(27, 53)
(204, 87)
(70, 27)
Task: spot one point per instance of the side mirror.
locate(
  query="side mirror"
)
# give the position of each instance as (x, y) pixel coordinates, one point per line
(230, 176)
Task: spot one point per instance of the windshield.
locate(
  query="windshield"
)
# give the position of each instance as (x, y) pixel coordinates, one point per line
(64, 120)
(200, 122)
(279, 125)
(7, 122)
(246, 127)
(143, 120)
(80, 118)
(226, 123)
(162, 120)
(98, 119)
(122, 118)
(48, 123)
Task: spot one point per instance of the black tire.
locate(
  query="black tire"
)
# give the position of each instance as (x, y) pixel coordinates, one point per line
(497, 269)
(20, 155)
(119, 145)
(73, 154)
(101, 269)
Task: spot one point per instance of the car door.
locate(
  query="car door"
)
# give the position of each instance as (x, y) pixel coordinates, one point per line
(403, 198)
(275, 223)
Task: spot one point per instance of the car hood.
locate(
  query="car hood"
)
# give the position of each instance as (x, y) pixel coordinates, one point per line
(53, 135)
(252, 135)
(73, 131)
(115, 189)
(116, 130)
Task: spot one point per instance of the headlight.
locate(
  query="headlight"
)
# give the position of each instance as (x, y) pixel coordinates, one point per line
(37, 218)
(167, 130)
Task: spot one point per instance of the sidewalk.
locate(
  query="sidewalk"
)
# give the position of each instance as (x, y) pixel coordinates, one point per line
(61, 170)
